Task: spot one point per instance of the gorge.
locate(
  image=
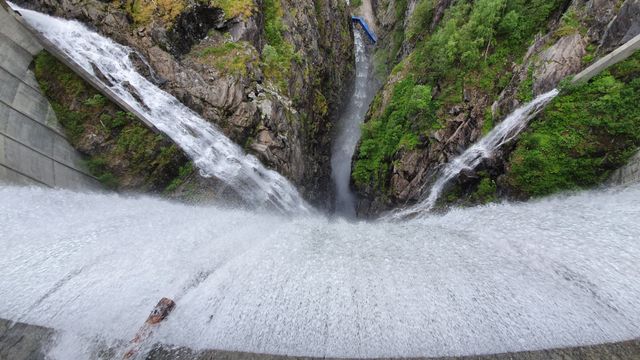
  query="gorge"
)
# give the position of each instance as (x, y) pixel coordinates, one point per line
(301, 191)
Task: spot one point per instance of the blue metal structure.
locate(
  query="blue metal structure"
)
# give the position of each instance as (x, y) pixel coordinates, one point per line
(366, 28)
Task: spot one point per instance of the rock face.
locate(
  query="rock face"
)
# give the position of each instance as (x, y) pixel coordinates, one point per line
(624, 26)
(271, 78)
(557, 62)
(629, 174)
(575, 35)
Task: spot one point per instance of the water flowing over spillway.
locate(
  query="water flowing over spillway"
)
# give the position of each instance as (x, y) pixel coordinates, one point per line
(348, 130)
(557, 272)
(211, 151)
(503, 133)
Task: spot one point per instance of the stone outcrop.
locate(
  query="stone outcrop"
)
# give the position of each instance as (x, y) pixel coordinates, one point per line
(562, 59)
(624, 26)
(629, 174)
(277, 100)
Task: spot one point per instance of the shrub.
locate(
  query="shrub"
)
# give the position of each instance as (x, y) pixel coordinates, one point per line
(584, 134)
(410, 113)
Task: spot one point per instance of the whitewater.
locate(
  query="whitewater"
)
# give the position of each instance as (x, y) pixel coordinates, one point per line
(212, 152)
(348, 129)
(507, 277)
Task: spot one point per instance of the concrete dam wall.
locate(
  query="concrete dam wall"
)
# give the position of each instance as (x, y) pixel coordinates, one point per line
(33, 147)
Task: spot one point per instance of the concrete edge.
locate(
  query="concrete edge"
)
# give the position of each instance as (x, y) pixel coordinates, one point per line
(84, 74)
(22, 341)
(614, 57)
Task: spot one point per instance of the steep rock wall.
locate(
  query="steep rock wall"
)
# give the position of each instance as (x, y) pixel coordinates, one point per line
(468, 75)
(271, 74)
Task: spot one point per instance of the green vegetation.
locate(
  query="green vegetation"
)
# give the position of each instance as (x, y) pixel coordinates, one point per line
(410, 112)
(143, 11)
(486, 190)
(183, 173)
(472, 48)
(230, 57)
(569, 25)
(525, 92)
(99, 167)
(96, 101)
(386, 55)
(420, 20)
(277, 54)
(584, 134)
(477, 38)
(50, 76)
(119, 151)
(235, 8)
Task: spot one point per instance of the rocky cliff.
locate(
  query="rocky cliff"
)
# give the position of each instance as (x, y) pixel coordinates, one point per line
(455, 69)
(271, 74)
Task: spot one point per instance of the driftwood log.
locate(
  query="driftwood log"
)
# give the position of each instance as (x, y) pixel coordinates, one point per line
(159, 313)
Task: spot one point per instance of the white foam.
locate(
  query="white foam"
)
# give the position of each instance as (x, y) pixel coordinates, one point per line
(348, 130)
(557, 272)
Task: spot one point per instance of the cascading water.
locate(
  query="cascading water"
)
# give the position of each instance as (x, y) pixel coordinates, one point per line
(505, 132)
(509, 277)
(499, 278)
(349, 130)
(212, 152)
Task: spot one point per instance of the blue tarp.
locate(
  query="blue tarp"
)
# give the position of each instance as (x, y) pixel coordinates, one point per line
(366, 28)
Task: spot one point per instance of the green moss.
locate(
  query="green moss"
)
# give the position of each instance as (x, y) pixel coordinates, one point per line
(411, 112)
(126, 149)
(99, 167)
(143, 11)
(235, 8)
(485, 191)
(320, 105)
(277, 54)
(96, 100)
(525, 91)
(584, 134)
(183, 174)
(569, 25)
(489, 121)
(421, 19)
(229, 57)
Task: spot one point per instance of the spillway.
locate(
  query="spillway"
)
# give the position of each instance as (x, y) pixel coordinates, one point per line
(557, 272)
(348, 129)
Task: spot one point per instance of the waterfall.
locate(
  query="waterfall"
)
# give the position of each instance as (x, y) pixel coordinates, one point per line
(212, 152)
(486, 147)
(506, 277)
(348, 130)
